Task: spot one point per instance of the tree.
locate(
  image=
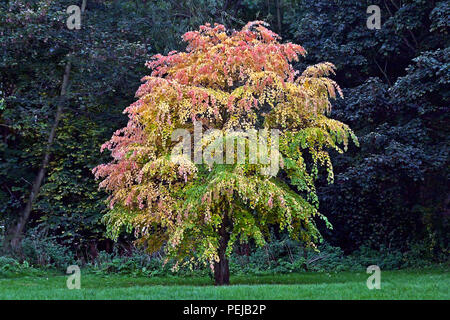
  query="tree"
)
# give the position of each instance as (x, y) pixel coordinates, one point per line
(386, 193)
(35, 15)
(402, 169)
(226, 82)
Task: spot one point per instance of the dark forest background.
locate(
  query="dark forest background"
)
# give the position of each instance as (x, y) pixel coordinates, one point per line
(391, 193)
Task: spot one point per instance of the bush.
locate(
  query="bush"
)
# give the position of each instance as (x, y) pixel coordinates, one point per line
(42, 250)
(277, 257)
(139, 263)
(136, 263)
(285, 256)
(10, 267)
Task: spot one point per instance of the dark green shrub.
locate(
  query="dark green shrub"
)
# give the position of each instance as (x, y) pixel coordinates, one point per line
(42, 250)
(10, 267)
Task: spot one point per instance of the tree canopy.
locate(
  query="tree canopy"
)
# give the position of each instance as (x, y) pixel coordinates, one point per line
(230, 81)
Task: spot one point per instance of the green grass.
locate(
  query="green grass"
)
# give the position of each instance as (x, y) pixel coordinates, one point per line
(402, 284)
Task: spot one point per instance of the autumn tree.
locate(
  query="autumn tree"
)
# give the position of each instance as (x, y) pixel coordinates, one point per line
(229, 83)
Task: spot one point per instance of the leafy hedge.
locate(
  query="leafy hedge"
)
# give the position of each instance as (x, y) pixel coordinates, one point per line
(277, 257)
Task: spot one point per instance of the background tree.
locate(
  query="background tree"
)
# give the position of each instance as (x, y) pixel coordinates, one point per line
(388, 193)
(230, 81)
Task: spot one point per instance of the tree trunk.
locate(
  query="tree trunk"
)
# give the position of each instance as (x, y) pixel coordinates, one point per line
(221, 268)
(278, 16)
(15, 235)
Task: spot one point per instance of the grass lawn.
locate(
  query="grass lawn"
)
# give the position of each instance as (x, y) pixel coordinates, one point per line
(402, 284)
